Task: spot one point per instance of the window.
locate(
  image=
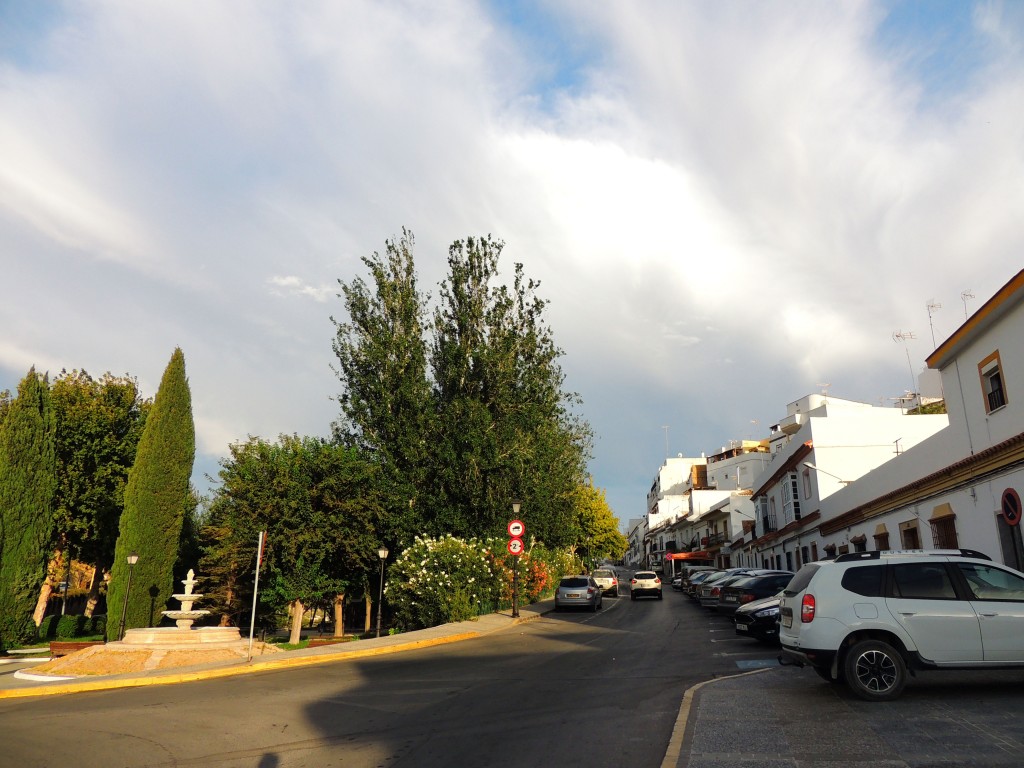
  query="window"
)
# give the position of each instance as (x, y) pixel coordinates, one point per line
(789, 561)
(807, 482)
(860, 543)
(805, 554)
(991, 374)
(766, 513)
(909, 536)
(882, 540)
(989, 583)
(944, 532)
(790, 501)
(814, 550)
(922, 581)
(865, 581)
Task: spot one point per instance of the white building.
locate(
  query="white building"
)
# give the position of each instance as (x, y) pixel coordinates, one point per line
(822, 446)
(962, 487)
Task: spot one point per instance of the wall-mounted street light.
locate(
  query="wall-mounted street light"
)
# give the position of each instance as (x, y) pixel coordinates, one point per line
(133, 558)
(382, 553)
(819, 469)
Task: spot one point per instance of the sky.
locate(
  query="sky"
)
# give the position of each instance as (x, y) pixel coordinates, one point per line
(728, 205)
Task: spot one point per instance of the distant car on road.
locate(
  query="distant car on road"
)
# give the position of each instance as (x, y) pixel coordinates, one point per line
(645, 583)
(578, 592)
(607, 580)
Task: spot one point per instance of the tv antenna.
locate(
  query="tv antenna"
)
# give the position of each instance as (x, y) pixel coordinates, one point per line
(905, 336)
(965, 295)
(932, 305)
(665, 427)
(824, 388)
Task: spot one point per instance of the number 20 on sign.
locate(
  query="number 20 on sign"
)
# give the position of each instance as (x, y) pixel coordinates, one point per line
(515, 546)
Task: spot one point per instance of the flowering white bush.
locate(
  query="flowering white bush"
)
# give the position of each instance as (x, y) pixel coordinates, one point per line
(440, 580)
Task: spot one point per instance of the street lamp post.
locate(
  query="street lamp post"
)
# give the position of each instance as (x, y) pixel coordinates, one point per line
(382, 553)
(133, 558)
(515, 568)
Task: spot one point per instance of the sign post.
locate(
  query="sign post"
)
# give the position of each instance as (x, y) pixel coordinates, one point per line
(516, 529)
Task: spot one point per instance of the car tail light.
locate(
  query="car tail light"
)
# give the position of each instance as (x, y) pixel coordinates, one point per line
(632, 581)
(746, 598)
(657, 581)
(807, 609)
(615, 581)
(590, 591)
(716, 591)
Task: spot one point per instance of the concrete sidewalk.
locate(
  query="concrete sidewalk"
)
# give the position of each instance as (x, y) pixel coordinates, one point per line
(22, 687)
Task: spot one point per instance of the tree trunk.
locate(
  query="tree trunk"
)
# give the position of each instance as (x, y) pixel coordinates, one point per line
(94, 592)
(298, 612)
(339, 615)
(46, 589)
(369, 611)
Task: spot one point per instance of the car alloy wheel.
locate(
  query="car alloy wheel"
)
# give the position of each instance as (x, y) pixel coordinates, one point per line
(875, 671)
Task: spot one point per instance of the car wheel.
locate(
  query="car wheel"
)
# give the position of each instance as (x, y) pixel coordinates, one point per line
(615, 593)
(875, 671)
(632, 596)
(659, 595)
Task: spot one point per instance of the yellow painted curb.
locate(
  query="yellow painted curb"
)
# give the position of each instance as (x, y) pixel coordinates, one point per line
(675, 743)
(106, 684)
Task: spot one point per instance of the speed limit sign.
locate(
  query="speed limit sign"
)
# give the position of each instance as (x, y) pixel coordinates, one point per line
(515, 546)
(516, 528)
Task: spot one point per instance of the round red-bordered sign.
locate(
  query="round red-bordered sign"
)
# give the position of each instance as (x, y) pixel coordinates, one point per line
(516, 528)
(515, 546)
(1011, 507)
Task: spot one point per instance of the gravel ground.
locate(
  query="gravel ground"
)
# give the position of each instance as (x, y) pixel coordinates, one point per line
(104, 660)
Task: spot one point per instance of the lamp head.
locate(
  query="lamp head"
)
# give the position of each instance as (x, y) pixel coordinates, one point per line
(133, 558)
(382, 553)
(515, 506)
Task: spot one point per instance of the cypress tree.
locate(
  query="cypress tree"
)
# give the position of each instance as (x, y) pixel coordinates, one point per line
(27, 487)
(155, 500)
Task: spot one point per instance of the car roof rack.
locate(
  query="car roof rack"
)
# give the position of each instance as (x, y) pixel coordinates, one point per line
(876, 554)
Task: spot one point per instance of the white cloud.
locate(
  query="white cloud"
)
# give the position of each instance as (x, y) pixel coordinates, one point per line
(727, 205)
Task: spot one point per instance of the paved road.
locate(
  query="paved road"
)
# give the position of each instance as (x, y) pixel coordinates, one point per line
(568, 689)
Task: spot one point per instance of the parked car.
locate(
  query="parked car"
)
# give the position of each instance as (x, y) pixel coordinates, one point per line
(693, 583)
(578, 592)
(715, 579)
(750, 588)
(607, 580)
(867, 617)
(645, 583)
(759, 619)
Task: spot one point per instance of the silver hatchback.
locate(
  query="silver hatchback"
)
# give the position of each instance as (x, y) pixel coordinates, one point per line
(578, 592)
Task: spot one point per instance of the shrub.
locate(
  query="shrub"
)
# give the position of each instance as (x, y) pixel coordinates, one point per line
(67, 627)
(440, 580)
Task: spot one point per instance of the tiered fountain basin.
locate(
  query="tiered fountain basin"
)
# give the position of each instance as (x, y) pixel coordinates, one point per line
(175, 637)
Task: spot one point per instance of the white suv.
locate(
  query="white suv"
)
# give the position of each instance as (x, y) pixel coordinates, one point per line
(869, 617)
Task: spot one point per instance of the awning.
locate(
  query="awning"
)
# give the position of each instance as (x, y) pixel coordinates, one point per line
(689, 556)
(941, 511)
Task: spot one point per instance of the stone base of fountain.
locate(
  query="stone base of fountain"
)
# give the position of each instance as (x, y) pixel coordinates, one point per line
(175, 637)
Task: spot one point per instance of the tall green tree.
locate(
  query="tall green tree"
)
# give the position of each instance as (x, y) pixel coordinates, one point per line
(157, 495)
(320, 506)
(382, 364)
(596, 527)
(27, 486)
(99, 423)
(504, 424)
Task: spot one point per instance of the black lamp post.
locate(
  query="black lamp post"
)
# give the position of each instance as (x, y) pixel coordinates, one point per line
(133, 558)
(515, 567)
(382, 553)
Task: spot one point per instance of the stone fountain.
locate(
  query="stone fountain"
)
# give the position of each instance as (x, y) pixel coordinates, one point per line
(182, 635)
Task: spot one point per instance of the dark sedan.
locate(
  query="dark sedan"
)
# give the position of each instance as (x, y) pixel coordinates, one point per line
(759, 620)
(743, 591)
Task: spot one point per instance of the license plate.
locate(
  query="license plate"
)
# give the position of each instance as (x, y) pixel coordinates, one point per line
(741, 627)
(787, 621)
(573, 594)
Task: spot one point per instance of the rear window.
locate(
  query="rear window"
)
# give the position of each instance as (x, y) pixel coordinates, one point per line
(604, 575)
(865, 580)
(644, 575)
(575, 581)
(802, 579)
